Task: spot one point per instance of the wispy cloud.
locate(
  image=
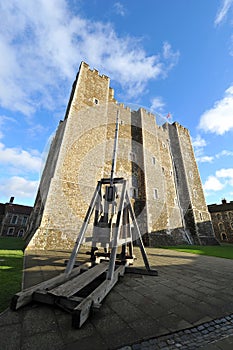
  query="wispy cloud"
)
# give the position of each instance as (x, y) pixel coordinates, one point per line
(226, 174)
(198, 142)
(157, 104)
(19, 187)
(224, 153)
(219, 119)
(213, 184)
(3, 121)
(205, 159)
(223, 178)
(24, 161)
(35, 66)
(223, 10)
(198, 145)
(119, 8)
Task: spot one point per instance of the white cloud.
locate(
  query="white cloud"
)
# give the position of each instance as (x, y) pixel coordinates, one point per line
(43, 44)
(119, 8)
(198, 145)
(219, 119)
(205, 159)
(225, 173)
(225, 7)
(213, 184)
(24, 161)
(3, 120)
(18, 187)
(170, 55)
(224, 153)
(198, 142)
(223, 178)
(157, 104)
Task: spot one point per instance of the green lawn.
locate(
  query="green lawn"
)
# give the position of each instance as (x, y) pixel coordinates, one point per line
(11, 265)
(221, 251)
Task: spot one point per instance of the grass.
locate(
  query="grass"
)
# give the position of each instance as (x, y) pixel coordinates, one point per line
(221, 251)
(11, 266)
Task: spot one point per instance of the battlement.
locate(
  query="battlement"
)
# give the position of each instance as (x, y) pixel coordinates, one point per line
(181, 128)
(94, 71)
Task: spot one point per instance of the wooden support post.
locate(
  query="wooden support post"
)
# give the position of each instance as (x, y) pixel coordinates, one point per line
(141, 245)
(116, 233)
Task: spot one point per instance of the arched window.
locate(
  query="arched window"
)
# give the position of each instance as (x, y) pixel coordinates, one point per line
(20, 233)
(223, 236)
(221, 226)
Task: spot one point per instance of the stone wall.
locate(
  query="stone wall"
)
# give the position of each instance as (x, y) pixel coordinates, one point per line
(222, 219)
(157, 161)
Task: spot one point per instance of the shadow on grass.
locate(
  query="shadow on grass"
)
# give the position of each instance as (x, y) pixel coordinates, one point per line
(12, 243)
(11, 267)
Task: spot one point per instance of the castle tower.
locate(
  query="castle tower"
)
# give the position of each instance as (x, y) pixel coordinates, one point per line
(157, 161)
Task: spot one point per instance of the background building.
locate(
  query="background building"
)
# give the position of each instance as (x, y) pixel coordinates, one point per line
(14, 218)
(157, 160)
(222, 219)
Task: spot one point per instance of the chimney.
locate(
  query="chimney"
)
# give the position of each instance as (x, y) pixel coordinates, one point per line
(12, 199)
(224, 201)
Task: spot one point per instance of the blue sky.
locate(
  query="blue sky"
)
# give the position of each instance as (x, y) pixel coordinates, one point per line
(170, 56)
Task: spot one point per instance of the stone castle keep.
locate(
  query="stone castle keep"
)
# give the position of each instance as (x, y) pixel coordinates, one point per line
(158, 162)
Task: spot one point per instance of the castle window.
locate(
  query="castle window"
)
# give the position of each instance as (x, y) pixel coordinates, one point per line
(221, 226)
(20, 233)
(14, 219)
(223, 236)
(164, 145)
(175, 201)
(219, 216)
(201, 216)
(191, 174)
(153, 160)
(171, 173)
(156, 195)
(10, 231)
(96, 101)
(24, 220)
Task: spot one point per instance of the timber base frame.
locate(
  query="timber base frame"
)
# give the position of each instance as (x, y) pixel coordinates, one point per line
(79, 294)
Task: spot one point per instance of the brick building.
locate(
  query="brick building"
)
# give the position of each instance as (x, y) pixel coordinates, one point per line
(222, 219)
(157, 160)
(14, 218)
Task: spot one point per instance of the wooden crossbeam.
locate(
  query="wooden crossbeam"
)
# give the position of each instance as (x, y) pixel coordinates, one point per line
(72, 286)
(26, 296)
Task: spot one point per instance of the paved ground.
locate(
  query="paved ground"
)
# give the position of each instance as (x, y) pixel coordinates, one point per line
(189, 305)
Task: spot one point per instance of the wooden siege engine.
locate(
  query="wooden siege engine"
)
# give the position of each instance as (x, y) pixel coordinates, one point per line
(80, 289)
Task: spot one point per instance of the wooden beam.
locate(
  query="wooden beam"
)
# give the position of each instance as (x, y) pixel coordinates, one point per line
(82, 311)
(25, 296)
(72, 286)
